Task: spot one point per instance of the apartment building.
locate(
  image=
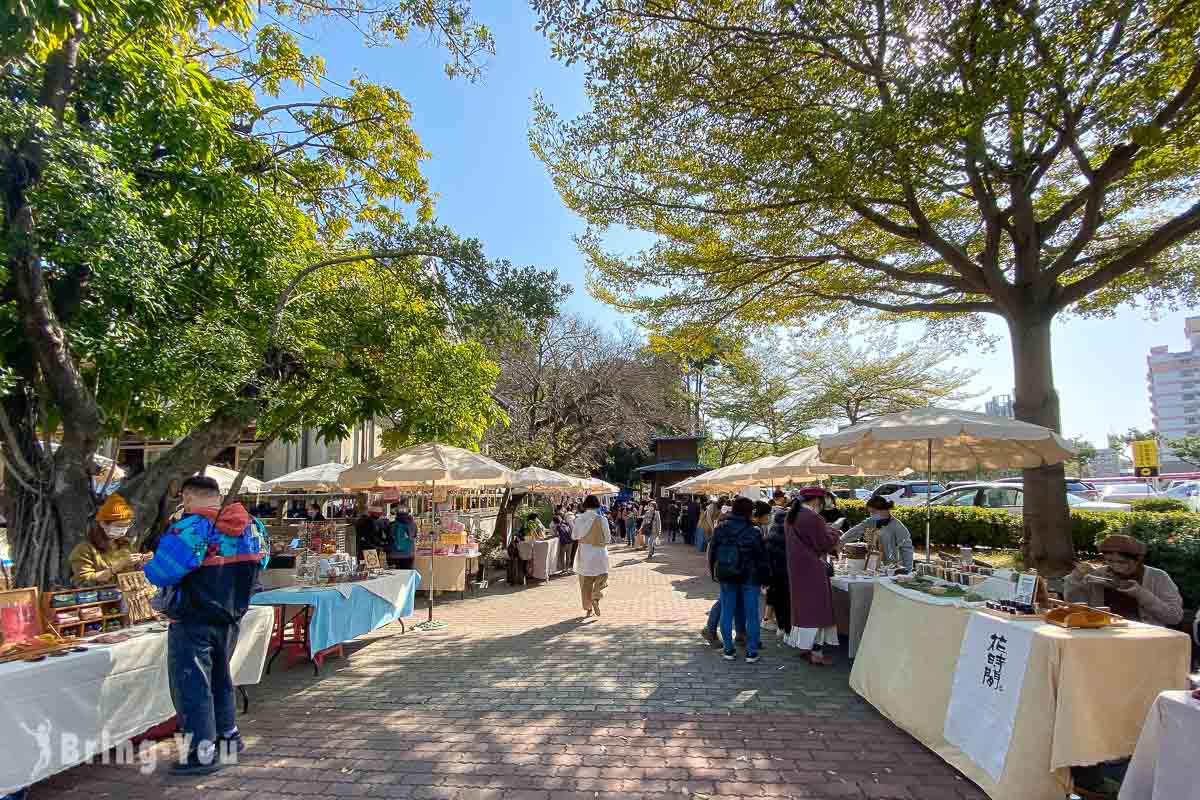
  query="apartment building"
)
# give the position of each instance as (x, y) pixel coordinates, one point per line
(1173, 381)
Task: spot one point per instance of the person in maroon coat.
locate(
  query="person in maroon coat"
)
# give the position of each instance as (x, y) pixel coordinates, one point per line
(809, 540)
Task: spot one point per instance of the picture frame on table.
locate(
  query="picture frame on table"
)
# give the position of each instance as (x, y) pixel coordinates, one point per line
(371, 559)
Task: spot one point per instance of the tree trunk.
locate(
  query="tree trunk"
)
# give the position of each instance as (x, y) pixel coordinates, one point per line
(1047, 544)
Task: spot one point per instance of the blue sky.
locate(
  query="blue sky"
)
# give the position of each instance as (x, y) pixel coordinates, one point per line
(490, 186)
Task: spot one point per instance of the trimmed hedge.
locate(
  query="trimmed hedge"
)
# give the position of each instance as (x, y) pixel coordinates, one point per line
(1158, 505)
(1172, 538)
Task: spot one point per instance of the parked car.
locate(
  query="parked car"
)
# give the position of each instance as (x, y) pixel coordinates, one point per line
(1011, 498)
(1117, 492)
(1076, 486)
(907, 493)
(1188, 492)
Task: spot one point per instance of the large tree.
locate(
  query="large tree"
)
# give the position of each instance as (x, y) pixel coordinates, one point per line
(848, 383)
(188, 249)
(572, 391)
(935, 158)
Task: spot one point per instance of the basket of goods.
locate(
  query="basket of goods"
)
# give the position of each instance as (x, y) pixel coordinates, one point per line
(856, 557)
(1081, 616)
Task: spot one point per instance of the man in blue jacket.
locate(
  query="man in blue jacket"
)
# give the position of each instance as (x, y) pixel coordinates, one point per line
(207, 565)
(737, 558)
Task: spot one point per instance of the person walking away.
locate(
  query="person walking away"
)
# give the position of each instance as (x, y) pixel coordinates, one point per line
(708, 523)
(671, 521)
(206, 566)
(402, 538)
(566, 544)
(371, 531)
(651, 528)
(809, 540)
(591, 531)
(737, 559)
(691, 519)
(778, 594)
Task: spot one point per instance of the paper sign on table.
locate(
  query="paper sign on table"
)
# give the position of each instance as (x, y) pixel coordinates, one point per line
(987, 690)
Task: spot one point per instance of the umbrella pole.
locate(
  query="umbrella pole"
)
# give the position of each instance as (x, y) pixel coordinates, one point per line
(432, 517)
(928, 505)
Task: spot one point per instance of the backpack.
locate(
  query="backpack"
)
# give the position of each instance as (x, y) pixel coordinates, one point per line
(402, 542)
(728, 563)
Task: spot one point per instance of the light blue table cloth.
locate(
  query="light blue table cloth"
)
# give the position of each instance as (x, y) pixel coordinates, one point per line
(336, 619)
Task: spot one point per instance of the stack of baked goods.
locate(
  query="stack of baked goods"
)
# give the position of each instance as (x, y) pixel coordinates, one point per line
(1081, 616)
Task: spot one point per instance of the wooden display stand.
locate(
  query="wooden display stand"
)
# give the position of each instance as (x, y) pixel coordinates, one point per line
(110, 610)
(137, 592)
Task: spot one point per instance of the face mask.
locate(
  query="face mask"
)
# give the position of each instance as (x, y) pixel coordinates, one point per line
(116, 532)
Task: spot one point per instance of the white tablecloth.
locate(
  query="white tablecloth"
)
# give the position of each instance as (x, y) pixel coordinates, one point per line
(1166, 764)
(545, 559)
(99, 699)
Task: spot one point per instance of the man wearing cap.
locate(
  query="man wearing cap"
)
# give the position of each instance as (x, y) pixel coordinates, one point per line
(106, 551)
(1126, 585)
(371, 531)
(207, 565)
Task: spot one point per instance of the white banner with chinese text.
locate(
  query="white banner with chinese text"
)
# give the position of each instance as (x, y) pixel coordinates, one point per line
(987, 690)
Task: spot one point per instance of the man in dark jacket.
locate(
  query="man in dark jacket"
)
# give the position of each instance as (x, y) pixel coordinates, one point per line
(738, 559)
(402, 538)
(371, 531)
(207, 565)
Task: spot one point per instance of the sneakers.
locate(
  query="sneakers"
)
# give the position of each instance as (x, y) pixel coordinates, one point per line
(193, 767)
(709, 636)
(596, 608)
(728, 655)
(751, 659)
(231, 743)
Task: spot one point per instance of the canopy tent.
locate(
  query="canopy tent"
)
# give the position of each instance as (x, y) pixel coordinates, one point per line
(225, 477)
(538, 479)
(426, 465)
(945, 439)
(318, 478)
(597, 486)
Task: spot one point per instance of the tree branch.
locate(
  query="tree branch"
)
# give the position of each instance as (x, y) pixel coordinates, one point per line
(1170, 232)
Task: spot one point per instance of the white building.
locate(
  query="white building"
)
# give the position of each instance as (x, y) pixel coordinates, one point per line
(279, 458)
(1000, 406)
(1173, 381)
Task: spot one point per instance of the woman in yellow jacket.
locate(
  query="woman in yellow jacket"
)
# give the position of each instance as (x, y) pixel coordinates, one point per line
(107, 550)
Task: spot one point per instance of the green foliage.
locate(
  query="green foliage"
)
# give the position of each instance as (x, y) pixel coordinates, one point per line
(1186, 449)
(1158, 505)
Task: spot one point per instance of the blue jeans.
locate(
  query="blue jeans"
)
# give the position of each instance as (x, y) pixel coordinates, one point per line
(201, 683)
(699, 539)
(739, 617)
(744, 596)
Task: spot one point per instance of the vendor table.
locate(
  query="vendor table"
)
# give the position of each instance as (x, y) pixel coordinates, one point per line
(1164, 763)
(545, 559)
(331, 615)
(1083, 699)
(450, 573)
(851, 605)
(62, 711)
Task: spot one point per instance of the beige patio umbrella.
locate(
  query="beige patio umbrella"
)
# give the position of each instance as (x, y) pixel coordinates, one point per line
(538, 479)
(597, 486)
(317, 478)
(945, 439)
(225, 477)
(805, 465)
(715, 480)
(428, 465)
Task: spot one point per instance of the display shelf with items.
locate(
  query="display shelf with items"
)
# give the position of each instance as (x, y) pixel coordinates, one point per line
(84, 612)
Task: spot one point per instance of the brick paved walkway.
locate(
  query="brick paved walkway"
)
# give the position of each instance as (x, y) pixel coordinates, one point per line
(519, 698)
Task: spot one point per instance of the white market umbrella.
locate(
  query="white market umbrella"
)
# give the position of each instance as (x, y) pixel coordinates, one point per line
(716, 479)
(803, 465)
(945, 439)
(427, 465)
(751, 473)
(538, 479)
(318, 478)
(225, 478)
(597, 486)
